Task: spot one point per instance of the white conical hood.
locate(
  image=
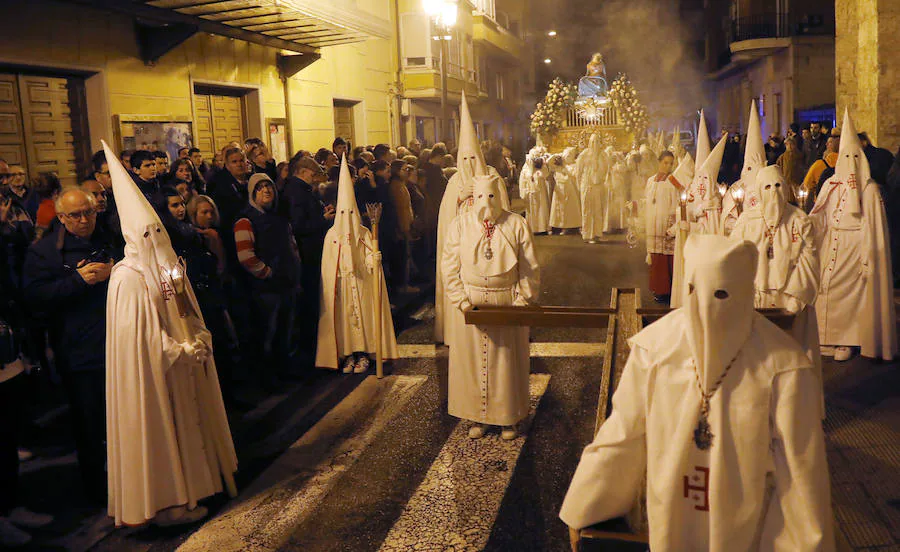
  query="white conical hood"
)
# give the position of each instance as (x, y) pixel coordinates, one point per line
(683, 173)
(347, 219)
(718, 297)
(469, 158)
(134, 210)
(148, 249)
(702, 143)
(704, 188)
(754, 157)
(852, 165)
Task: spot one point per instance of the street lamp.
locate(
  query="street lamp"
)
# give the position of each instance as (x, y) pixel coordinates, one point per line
(443, 14)
(551, 34)
(548, 61)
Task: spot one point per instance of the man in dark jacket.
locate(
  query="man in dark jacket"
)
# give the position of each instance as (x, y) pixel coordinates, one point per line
(880, 160)
(66, 274)
(146, 174)
(310, 220)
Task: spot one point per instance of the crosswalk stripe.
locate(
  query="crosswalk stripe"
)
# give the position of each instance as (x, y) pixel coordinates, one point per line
(537, 350)
(456, 505)
(266, 513)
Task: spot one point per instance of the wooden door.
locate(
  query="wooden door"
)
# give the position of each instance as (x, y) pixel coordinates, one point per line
(12, 138)
(343, 122)
(228, 120)
(47, 124)
(219, 120)
(203, 127)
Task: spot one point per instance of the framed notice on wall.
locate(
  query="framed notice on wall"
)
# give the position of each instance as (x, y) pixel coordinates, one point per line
(278, 139)
(166, 133)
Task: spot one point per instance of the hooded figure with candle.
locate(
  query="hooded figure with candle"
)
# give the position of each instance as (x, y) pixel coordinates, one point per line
(716, 420)
(743, 195)
(855, 306)
(787, 275)
(457, 199)
(489, 260)
(351, 268)
(168, 440)
(591, 168)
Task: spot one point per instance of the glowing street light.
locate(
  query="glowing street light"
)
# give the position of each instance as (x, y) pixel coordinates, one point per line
(551, 33)
(547, 61)
(443, 14)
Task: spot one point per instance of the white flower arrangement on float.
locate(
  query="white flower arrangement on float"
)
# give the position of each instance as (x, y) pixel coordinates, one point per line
(625, 98)
(548, 115)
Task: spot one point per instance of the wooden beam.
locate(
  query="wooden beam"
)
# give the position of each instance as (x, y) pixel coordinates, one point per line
(138, 9)
(556, 317)
(289, 66)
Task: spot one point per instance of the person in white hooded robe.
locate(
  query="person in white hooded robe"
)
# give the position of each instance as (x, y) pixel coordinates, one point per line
(591, 169)
(718, 413)
(534, 191)
(855, 306)
(787, 275)
(742, 194)
(489, 259)
(168, 440)
(681, 178)
(351, 270)
(457, 199)
(565, 206)
(617, 188)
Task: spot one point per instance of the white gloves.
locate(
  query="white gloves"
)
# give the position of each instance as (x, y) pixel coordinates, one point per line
(648, 260)
(373, 261)
(196, 352)
(684, 225)
(466, 306)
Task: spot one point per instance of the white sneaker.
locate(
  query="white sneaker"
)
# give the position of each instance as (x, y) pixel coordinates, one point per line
(843, 354)
(509, 433)
(362, 365)
(11, 536)
(476, 431)
(24, 517)
(179, 515)
(348, 365)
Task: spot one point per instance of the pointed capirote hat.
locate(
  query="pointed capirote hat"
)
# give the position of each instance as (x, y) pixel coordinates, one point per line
(852, 165)
(468, 140)
(135, 212)
(347, 218)
(755, 152)
(703, 147)
(713, 162)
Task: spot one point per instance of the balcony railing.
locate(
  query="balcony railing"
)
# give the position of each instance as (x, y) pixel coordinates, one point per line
(779, 25)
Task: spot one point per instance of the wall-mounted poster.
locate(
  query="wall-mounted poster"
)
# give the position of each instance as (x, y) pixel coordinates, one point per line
(155, 133)
(278, 139)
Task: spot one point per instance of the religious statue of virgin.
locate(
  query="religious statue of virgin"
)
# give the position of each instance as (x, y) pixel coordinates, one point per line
(593, 84)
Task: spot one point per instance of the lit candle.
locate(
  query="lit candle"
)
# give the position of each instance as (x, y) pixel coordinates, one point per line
(738, 196)
(683, 205)
(722, 189)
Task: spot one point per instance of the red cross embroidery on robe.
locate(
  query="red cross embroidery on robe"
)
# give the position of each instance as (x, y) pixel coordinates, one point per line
(166, 290)
(701, 187)
(795, 233)
(753, 201)
(852, 181)
(696, 487)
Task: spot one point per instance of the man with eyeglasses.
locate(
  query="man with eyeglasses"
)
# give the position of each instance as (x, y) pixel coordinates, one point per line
(66, 274)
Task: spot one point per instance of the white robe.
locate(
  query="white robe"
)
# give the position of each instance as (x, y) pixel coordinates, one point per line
(766, 426)
(565, 207)
(347, 303)
(660, 203)
(489, 365)
(617, 189)
(855, 306)
(537, 208)
(792, 277)
(161, 449)
(591, 182)
(456, 200)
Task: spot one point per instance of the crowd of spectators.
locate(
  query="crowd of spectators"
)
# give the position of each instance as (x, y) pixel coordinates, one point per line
(251, 231)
